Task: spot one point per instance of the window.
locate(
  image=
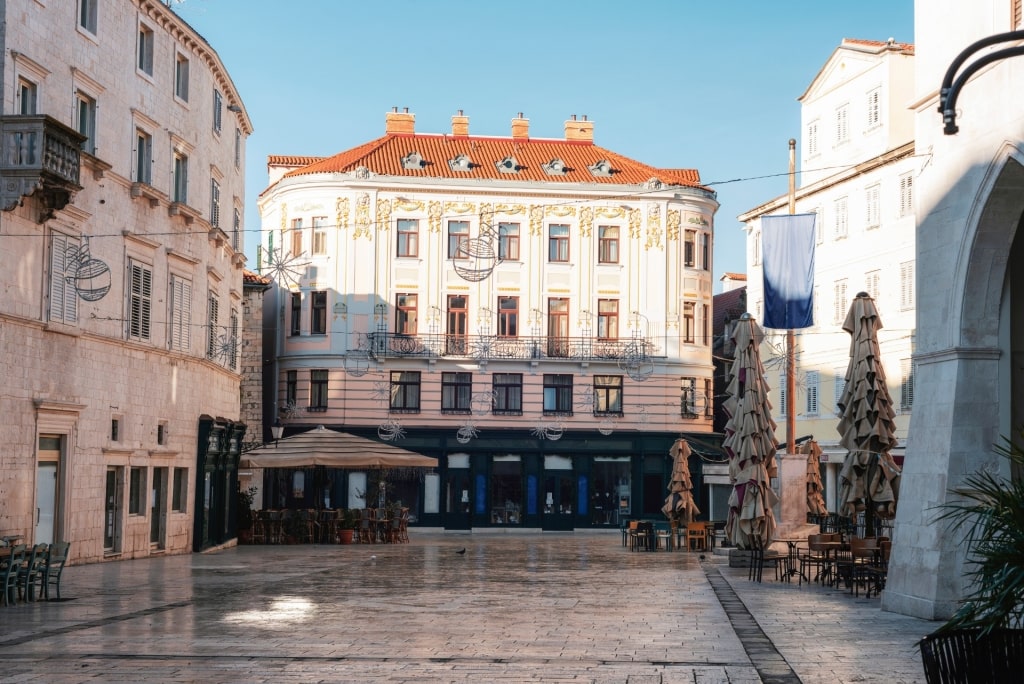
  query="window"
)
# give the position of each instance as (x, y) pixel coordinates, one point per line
(872, 279)
(906, 285)
(85, 115)
(839, 388)
(137, 491)
(608, 319)
(709, 404)
(690, 249)
(811, 383)
(405, 314)
(317, 391)
(755, 247)
(238, 147)
(140, 300)
(508, 393)
(28, 96)
(87, 15)
(872, 211)
(296, 237)
(179, 495)
(296, 319)
(179, 182)
(405, 391)
(181, 77)
(608, 395)
(782, 393)
(906, 384)
(63, 296)
(558, 243)
(906, 195)
(608, 244)
(115, 430)
(408, 237)
(874, 117)
(508, 316)
(218, 110)
(458, 232)
(705, 325)
(236, 230)
(819, 226)
(291, 387)
(705, 251)
(1015, 14)
(146, 40)
(839, 312)
(318, 313)
(688, 397)
(842, 129)
(213, 315)
(234, 341)
(457, 324)
(456, 392)
(508, 241)
(812, 139)
(688, 322)
(557, 393)
(143, 157)
(161, 434)
(839, 208)
(319, 235)
(181, 314)
(558, 326)
(214, 203)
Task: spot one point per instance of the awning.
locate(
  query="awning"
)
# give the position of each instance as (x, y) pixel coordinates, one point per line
(324, 447)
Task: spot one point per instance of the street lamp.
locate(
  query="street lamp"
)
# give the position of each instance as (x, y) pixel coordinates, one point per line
(276, 430)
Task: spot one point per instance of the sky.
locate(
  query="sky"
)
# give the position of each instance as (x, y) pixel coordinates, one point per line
(711, 86)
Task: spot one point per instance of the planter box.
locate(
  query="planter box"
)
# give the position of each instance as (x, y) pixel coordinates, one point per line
(964, 657)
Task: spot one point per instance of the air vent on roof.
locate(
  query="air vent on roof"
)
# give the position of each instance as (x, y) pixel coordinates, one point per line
(412, 161)
(555, 167)
(461, 163)
(508, 165)
(601, 168)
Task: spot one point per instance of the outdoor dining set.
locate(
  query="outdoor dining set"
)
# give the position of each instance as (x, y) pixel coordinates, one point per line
(331, 526)
(645, 535)
(30, 572)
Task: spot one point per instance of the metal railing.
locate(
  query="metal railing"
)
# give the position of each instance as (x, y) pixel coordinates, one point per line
(391, 345)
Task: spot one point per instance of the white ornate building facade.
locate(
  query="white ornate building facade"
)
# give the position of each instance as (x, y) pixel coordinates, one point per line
(534, 312)
(123, 142)
(857, 172)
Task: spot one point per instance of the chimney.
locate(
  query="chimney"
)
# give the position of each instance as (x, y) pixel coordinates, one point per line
(399, 122)
(582, 131)
(520, 128)
(460, 124)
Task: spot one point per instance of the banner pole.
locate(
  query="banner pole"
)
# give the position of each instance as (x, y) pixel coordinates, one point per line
(790, 337)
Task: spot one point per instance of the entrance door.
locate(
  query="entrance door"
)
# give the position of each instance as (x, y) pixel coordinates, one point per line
(459, 501)
(158, 509)
(559, 494)
(46, 489)
(112, 510)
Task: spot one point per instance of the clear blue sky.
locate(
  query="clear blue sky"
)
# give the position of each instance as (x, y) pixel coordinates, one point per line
(673, 84)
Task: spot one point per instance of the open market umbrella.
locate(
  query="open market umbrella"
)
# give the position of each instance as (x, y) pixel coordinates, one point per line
(815, 498)
(679, 505)
(750, 442)
(869, 479)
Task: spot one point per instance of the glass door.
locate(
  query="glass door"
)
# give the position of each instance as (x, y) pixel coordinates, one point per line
(457, 325)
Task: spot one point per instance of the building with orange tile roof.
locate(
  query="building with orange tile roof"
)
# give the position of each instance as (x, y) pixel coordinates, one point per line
(533, 312)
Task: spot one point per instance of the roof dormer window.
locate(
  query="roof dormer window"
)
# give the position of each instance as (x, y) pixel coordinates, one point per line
(412, 161)
(555, 167)
(508, 165)
(461, 163)
(601, 168)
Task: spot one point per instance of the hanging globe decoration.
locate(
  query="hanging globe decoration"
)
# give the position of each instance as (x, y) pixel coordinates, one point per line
(475, 259)
(89, 277)
(357, 363)
(390, 430)
(605, 427)
(466, 433)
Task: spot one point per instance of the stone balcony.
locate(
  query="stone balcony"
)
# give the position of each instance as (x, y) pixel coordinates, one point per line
(42, 157)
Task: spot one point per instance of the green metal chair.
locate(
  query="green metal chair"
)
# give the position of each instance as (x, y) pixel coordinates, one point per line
(31, 572)
(54, 568)
(10, 566)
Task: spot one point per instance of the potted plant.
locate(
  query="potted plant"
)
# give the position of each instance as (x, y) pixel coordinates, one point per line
(246, 516)
(984, 639)
(349, 522)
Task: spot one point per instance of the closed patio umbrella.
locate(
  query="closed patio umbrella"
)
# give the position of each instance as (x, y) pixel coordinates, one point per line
(815, 498)
(750, 442)
(679, 505)
(869, 479)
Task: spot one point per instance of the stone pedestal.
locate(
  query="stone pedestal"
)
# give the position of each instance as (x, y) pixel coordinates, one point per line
(791, 513)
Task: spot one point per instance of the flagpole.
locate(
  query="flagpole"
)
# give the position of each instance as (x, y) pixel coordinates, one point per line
(790, 338)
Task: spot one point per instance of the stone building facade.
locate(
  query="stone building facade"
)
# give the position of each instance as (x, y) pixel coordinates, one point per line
(121, 238)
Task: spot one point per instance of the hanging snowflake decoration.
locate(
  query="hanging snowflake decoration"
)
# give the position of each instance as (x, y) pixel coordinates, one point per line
(290, 409)
(584, 398)
(481, 347)
(382, 391)
(225, 348)
(466, 433)
(390, 430)
(90, 278)
(773, 352)
(552, 431)
(284, 269)
(642, 416)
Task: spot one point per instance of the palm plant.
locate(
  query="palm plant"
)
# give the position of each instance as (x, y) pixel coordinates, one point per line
(990, 510)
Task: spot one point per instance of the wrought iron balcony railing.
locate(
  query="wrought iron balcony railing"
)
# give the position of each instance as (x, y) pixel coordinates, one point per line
(488, 347)
(40, 156)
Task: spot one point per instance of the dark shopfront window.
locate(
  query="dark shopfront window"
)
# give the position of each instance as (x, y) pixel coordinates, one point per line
(506, 490)
(610, 500)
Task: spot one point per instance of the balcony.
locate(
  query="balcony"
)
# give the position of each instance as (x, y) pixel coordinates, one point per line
(41, 157)
(382, 345)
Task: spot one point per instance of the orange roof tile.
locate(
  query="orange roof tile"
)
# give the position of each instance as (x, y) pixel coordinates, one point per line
(384, 156)
(254, 278)
(291, 160)
(907, 48)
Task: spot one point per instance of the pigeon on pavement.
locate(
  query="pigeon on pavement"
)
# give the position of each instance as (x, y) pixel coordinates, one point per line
(461, 551)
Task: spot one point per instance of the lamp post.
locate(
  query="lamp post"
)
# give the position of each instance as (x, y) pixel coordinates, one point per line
(276, 430)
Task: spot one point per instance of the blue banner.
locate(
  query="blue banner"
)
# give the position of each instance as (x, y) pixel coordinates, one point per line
(787, 246)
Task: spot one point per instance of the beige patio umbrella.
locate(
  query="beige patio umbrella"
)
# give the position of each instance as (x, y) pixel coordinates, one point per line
(679, 505)
(815, 498)
(750, 442)
(869, 479)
